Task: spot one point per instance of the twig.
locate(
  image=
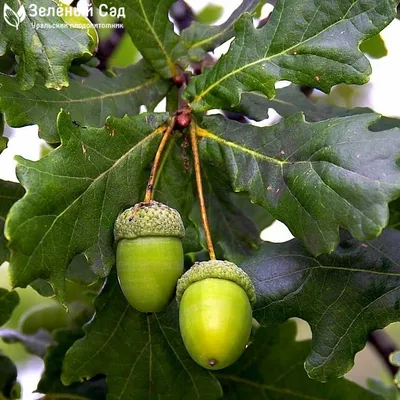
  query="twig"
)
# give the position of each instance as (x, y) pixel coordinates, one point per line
(150, 185)
(384, 345)
(108, 46)
(182, 14)
(199, 183)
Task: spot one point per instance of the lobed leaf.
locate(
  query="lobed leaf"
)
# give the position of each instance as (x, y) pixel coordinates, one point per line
(70, 207)
(290, 100)
(152, 33)
(343, 296)
(314, 177)
(37, 48)
(308, 42)
(90, 100)
(199, 38)
(142, 355)
(272, 368)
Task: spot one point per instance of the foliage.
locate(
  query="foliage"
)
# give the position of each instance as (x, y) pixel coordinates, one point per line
(331, 174)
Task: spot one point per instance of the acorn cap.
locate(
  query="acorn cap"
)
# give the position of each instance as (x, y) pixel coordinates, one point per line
(153, 219)
(216, 269)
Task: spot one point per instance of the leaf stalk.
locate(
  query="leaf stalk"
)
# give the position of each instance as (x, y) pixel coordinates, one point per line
(199, 183)
(150, 184)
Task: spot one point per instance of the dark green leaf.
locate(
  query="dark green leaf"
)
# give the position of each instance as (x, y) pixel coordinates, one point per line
(8, 302)
(35, 344)
(272, 368)
(200, 38)
(90, 100)
(8, 378)
(50, 382)
(343, 296)
(307, 42)
(70, 208)
(142, 356)
(375, 47)
(314, 177)
(10, 192)
(46, 51)
(152, 33)
(290, 100)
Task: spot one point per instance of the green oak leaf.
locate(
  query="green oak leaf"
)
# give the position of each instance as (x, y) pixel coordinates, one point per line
(343, 296)
(199, 38)
(50, 382)
(9, 387)
(8, 302)
(37, 49)
(142, 355)
(90, 100)
(290, 100)
(273, 368)
(152, 33)
(70, 208)
(314, 177)
(10, 192)
(309, 42)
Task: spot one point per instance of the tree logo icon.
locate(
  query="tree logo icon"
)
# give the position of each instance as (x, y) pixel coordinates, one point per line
(14, 18)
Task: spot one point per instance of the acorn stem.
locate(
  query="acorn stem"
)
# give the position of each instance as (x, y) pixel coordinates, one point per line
(199, 183)
(150, 184)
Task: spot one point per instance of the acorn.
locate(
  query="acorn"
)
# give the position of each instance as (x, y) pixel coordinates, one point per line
(49, 316)
(150, 255)
(215, 314)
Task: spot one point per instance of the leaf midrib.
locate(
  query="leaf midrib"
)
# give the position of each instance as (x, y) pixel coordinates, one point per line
(88, 99)
(266, 59)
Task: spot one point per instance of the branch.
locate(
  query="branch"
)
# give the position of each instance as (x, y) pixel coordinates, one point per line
(182, 14)
(108, 46)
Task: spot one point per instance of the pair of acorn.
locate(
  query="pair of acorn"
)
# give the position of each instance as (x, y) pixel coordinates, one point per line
(215, 297)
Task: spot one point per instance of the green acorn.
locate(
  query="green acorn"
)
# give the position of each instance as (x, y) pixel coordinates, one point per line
(149, 254)
(215, 314)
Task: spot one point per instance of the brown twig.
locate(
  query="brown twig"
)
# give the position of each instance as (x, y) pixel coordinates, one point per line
(108, 46)
(150, 185)
(199, 183)
(384, 345)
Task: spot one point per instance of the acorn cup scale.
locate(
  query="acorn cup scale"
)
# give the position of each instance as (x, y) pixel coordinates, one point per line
(149, 255)
(215, 314)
